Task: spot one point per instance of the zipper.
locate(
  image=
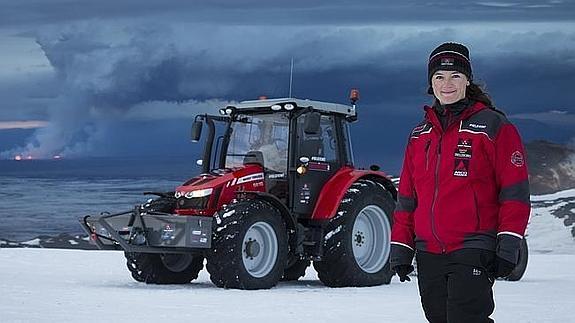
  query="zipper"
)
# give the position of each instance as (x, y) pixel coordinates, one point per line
(435, 193)
(476, 209)
(427, 154)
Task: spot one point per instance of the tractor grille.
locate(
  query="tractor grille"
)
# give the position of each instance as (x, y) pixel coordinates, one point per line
(193, 203)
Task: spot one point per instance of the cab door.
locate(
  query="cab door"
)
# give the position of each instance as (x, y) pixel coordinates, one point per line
(318, 154)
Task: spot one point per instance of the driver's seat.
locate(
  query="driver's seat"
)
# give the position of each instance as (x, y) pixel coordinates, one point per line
(254, 157)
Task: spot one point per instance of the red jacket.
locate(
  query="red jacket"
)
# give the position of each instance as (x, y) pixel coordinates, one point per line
(462, 187)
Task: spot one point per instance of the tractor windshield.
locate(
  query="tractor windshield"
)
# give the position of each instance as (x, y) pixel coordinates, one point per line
(266, 133)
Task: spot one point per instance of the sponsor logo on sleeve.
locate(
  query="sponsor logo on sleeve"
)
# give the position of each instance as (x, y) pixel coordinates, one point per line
(517, 159)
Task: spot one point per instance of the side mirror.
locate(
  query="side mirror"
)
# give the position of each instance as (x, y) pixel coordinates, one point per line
(196, 130)
(312, 123)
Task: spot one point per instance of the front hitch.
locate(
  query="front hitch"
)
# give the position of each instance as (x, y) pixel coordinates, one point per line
(149, 232)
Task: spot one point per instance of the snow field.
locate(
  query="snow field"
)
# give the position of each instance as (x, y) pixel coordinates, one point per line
(50, 285)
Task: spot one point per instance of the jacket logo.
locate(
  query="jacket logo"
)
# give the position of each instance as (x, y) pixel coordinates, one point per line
(517, 159)
(477, 126)
(462, 157)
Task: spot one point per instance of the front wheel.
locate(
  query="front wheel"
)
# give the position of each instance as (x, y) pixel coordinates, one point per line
(357, 243)
(249, 246)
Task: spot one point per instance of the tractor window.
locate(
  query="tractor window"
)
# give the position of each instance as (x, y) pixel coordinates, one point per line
(329, 138)
(266, 133)
(347, 140)
(322, 145)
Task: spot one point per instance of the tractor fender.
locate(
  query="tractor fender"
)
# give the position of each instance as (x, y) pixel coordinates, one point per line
(290, 221)
(333, 191)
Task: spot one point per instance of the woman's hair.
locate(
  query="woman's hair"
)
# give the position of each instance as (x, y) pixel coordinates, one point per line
(475, 92)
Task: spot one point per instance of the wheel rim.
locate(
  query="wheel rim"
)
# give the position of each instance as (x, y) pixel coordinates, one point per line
(176, 262)
(371, 238)
(259, 249)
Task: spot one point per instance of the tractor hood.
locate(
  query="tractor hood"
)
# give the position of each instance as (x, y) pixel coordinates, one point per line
(206, 193)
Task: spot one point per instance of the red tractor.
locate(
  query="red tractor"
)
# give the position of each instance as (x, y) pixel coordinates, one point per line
(278, 190)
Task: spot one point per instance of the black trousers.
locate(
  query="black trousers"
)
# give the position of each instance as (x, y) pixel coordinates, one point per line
(456, 287)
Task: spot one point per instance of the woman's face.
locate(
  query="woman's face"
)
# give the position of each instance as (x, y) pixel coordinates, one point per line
(449, 86)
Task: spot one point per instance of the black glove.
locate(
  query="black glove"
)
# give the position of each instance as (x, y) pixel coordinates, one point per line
(503, 268)
(403, 271)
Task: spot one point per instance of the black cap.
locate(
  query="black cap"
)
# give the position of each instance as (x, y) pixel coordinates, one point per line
(449, 57)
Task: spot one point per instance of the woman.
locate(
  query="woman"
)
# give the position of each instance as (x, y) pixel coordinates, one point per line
(463, 202)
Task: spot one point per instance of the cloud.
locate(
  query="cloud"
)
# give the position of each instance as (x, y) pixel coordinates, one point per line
(295, 12)
(30, 124)
(150, 69)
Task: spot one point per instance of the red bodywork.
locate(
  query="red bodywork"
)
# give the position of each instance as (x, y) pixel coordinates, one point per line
(225, 185)
(250, 178)
(333, 191)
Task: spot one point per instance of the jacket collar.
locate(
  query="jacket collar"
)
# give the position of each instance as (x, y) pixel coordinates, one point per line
(431, 116)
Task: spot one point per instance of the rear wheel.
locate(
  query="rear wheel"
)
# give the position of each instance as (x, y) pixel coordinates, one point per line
(154, 268)
(519, 270)
(249, 246)
(357, 245)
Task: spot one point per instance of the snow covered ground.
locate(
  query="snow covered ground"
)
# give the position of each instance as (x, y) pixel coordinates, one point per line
(51, 285)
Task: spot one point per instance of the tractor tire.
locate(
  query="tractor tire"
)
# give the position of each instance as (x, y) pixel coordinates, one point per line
(296, 270)
(153, 268)
(519, 270)
(357, 244)
(249, 246)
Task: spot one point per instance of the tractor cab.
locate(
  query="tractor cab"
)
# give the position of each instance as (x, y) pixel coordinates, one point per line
(299, 145)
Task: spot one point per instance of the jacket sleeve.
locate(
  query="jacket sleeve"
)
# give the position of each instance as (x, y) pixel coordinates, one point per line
(402, 235)
(513, 183)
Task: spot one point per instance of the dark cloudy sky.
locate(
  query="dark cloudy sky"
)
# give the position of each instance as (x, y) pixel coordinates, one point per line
(105, 78)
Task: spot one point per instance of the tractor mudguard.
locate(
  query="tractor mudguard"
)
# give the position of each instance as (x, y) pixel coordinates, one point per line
(334, 190)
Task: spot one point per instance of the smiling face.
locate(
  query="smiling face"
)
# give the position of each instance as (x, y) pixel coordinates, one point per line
(449, 86)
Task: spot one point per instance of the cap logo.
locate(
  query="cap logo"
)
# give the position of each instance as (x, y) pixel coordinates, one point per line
(447, 62)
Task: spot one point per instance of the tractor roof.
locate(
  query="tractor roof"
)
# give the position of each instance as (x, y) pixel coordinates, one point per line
(300, 103)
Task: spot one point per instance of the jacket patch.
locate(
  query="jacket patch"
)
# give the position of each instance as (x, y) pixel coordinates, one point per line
(462, 156)
(517, 159)
(421, 129)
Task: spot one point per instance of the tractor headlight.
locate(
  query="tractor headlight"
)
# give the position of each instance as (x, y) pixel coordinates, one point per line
(198, 193)
(289, 106)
